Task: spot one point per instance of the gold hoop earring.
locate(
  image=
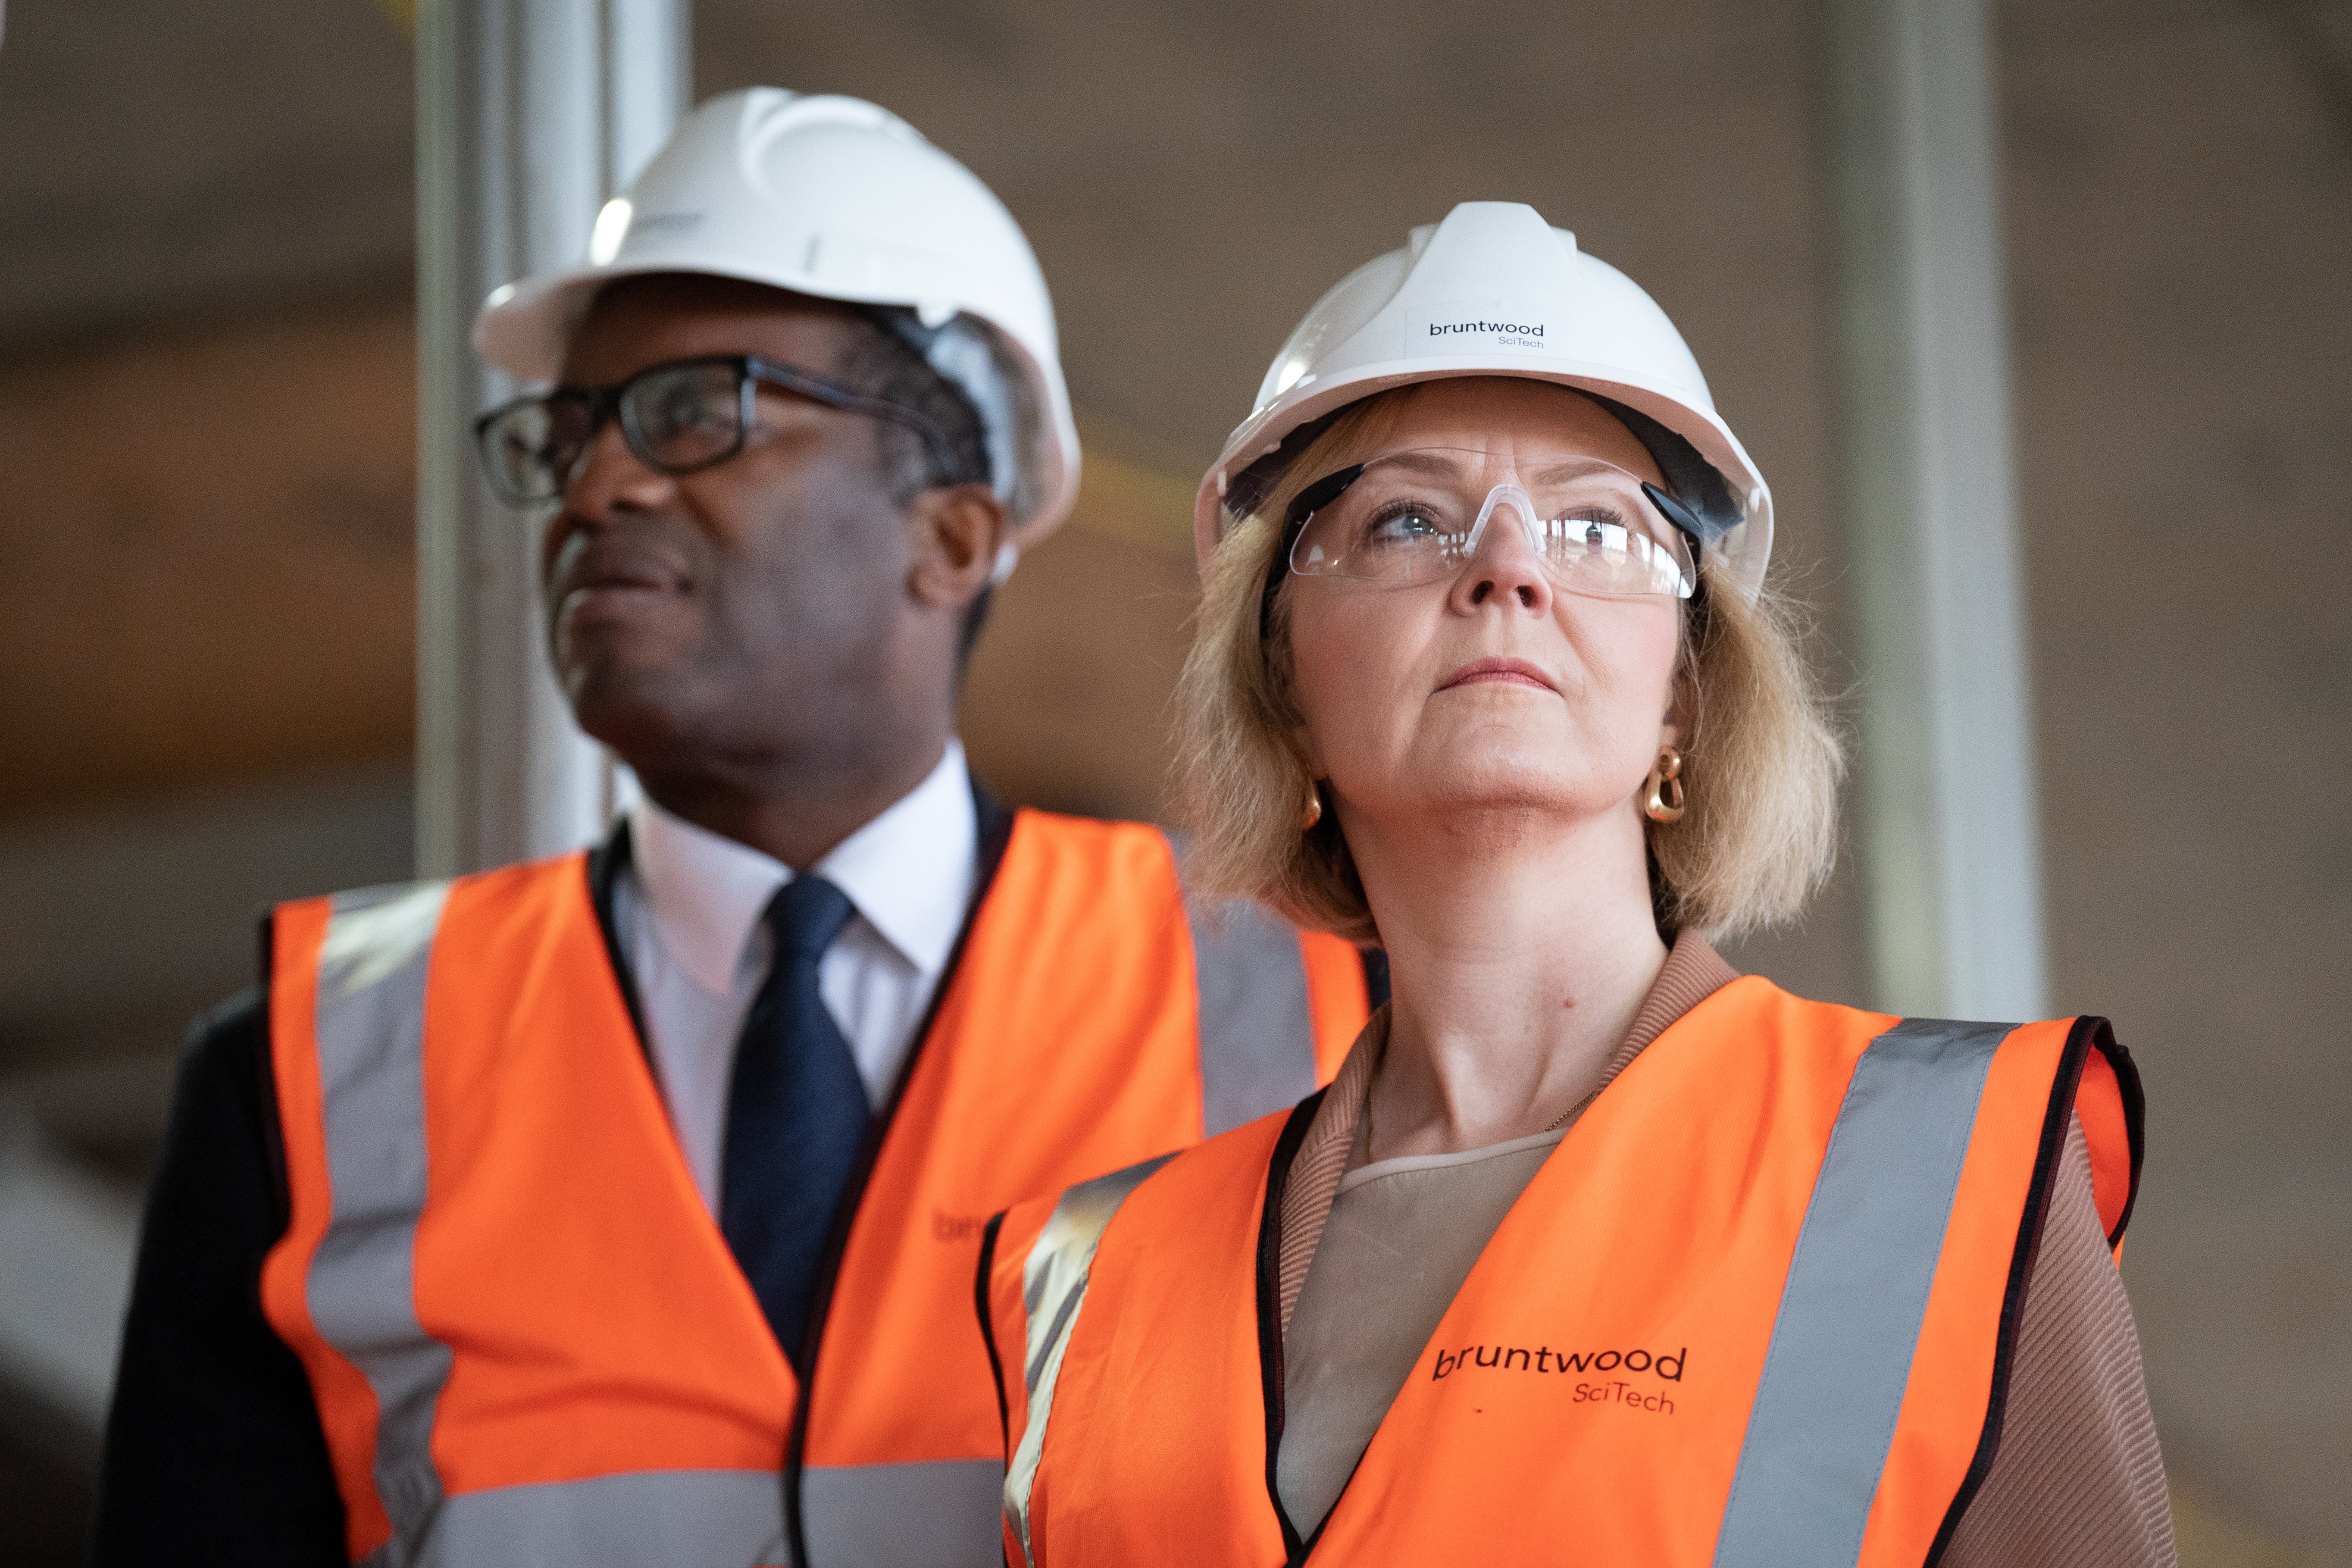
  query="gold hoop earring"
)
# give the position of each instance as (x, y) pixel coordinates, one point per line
(1314, 812)
(1664, 803)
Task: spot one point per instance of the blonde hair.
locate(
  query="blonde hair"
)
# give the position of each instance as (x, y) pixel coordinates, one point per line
(1761, 767)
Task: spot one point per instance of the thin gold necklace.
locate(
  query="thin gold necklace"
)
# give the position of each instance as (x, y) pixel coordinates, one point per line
(1372, 1131)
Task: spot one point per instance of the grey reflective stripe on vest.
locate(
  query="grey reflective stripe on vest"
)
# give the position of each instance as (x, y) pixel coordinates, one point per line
(1848, 1327)
(1257, 1033)
(1053, 1285)
(363, 1301)
(943, 1513)
(677, 1519)
(362, 1295)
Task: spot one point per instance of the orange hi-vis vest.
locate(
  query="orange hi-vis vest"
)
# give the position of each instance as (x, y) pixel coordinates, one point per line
(1757, 1310)
(528, 1340)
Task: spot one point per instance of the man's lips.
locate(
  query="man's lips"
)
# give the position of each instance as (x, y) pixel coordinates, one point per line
(616, 579)
(612, 597)
(1498, 672)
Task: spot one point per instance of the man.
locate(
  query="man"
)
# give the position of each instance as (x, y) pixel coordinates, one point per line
(554, 1213)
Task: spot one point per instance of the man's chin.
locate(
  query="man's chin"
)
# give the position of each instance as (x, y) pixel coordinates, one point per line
(642, 714)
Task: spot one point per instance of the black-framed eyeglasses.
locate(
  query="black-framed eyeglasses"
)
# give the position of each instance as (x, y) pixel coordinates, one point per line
(678, 418)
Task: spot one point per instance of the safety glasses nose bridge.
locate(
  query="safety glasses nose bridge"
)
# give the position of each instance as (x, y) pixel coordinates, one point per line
(1507, 493)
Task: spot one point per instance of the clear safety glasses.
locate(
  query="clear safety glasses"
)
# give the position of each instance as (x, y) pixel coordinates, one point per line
(1421, 514)
(678, 418)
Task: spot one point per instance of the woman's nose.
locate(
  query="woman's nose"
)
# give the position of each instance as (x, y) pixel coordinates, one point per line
(1505, 567)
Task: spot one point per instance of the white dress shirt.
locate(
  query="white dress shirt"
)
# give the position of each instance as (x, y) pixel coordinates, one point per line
(688, 912)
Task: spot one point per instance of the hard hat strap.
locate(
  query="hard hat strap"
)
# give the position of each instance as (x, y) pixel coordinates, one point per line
(958, 353)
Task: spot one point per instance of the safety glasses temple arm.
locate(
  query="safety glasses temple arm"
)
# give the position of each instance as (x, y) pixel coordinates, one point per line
(1303, 506)
(1680, 515)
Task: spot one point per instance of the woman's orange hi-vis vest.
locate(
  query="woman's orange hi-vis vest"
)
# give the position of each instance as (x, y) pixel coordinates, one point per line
(527, 1338)
(1756, 1311)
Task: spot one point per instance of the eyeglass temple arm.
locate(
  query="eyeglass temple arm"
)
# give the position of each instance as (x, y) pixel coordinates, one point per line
(850, 402)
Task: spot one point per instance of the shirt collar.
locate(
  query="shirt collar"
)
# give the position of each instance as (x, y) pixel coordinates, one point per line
(910, 872)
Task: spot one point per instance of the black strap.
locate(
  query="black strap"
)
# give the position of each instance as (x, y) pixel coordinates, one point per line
(606, 861)
(1269, 1306)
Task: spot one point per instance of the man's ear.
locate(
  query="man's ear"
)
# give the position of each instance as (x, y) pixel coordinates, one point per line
(955, 532)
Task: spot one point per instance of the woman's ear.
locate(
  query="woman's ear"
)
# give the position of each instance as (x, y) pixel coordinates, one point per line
(1681, 719)
(955, 532)
(1310, 756)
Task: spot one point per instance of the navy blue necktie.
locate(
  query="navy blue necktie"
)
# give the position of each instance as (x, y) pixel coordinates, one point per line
(796, 1114)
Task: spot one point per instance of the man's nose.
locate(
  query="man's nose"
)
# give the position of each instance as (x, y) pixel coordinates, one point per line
(612, 479)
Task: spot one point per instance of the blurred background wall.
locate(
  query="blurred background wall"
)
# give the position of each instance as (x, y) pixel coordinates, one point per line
(206, 559)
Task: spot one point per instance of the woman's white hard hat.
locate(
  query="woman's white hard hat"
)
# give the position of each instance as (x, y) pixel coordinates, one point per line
(1496, 291)
(837, 198)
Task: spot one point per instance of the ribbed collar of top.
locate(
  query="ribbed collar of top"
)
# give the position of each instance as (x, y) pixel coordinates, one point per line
(908, 871)
(1693, 972)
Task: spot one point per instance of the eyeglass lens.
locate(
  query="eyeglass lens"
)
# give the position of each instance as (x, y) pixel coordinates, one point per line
(677, 418)
(1420, 516)
(682, 417)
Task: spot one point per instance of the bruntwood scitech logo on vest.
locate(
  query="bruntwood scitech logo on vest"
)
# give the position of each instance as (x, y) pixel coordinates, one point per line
(1467, 326)
(1584, 1365)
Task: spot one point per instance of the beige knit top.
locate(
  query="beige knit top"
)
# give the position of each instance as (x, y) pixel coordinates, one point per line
(2076, 1480)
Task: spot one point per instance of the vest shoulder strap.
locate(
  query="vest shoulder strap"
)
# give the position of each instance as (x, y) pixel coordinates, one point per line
(1052, 1287)
(1278, 1007)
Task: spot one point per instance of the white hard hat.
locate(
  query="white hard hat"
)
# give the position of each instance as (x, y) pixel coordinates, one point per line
(1496, 291)
(838, 198)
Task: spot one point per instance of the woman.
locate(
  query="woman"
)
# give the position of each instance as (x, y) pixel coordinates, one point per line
(1594, 1252)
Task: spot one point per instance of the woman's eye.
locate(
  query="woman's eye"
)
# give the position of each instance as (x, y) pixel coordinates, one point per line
(1408, 525)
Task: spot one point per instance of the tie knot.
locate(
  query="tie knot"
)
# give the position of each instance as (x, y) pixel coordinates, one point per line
(805, 915)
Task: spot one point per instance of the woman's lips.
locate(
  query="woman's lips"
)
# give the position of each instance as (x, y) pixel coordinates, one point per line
(1503, 671)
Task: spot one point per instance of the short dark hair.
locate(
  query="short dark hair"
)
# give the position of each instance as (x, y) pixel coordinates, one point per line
(881, 362)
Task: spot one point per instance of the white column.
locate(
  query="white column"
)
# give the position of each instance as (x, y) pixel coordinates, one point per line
(529, 115)
(1947, 832)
